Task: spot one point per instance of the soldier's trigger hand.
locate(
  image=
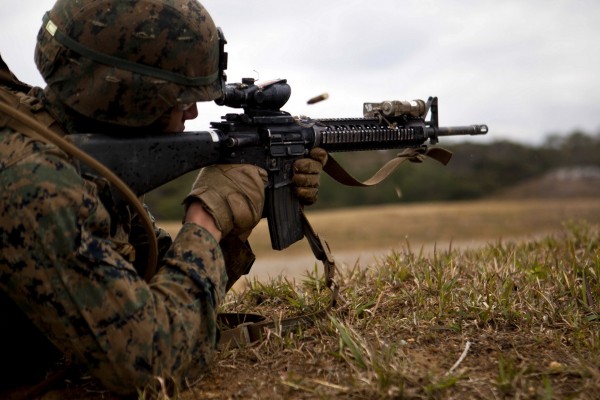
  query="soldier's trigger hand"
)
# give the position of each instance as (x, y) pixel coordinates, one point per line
(307, 173)
(234, 194)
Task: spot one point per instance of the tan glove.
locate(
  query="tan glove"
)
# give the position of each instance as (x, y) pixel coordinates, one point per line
(307, 174)
(233, 194)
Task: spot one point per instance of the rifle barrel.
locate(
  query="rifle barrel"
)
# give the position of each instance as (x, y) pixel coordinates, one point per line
(461, 130)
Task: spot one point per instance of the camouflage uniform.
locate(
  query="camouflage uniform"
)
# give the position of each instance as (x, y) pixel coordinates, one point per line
(70, 261)
(68, 279)
(67, 264)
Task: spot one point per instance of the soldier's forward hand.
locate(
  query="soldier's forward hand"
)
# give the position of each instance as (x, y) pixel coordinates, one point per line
(307, 174)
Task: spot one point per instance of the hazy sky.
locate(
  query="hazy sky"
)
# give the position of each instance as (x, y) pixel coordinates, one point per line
(527, 68)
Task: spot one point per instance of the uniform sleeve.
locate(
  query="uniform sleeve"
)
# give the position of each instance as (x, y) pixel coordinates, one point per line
(60, 266)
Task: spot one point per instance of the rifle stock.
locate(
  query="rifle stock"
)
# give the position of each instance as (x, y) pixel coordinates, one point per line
(269, 138)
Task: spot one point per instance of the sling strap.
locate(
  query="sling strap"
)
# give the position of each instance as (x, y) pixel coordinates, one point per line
(417, 154)
(240, 329)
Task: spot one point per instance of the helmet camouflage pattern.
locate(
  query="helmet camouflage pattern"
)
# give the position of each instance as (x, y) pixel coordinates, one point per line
(127, 62)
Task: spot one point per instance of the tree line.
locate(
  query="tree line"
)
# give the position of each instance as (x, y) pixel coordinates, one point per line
(475, 171)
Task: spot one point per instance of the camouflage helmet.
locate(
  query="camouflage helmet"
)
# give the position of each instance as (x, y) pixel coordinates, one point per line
(127, 62)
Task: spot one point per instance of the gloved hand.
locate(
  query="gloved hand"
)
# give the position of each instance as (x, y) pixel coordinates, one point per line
(233, 194)
(307, 173)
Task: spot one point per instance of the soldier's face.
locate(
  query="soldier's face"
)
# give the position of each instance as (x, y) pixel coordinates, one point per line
(178, 116)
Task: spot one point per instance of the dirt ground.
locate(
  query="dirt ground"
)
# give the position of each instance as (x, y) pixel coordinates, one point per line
(425, 227)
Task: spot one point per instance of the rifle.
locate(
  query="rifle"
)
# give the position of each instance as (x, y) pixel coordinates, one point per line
(270, 138)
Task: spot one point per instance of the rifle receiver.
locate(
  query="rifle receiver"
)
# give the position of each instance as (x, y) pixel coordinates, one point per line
(271, 139)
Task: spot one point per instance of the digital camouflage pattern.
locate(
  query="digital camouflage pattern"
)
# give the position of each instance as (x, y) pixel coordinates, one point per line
(176, 36)
(66, 263)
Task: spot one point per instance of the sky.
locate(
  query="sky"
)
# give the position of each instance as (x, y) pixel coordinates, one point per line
(527, 69)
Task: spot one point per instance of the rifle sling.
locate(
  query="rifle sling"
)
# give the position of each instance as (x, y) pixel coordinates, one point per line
(418, 154)
(249, 328)
(243, 329)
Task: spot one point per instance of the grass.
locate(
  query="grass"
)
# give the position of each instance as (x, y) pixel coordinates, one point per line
(357, 235)
(517, 316)
(390, 226)
(512, 319)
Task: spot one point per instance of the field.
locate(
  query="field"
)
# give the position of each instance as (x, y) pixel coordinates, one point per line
(484, 299)
(471, 300)
(367, 235)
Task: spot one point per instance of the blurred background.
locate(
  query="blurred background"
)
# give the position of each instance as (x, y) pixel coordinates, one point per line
(527, 69)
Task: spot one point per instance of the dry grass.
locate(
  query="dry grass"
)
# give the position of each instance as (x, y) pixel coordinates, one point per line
(508, 320)
(390, 226)
(366, 235)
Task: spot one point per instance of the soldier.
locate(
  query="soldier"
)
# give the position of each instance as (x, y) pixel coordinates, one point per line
(70, 261)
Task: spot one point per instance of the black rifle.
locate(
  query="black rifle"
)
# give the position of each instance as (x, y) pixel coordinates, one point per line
(270, 138)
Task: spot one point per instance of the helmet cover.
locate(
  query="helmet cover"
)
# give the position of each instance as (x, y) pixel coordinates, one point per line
(127, 62)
